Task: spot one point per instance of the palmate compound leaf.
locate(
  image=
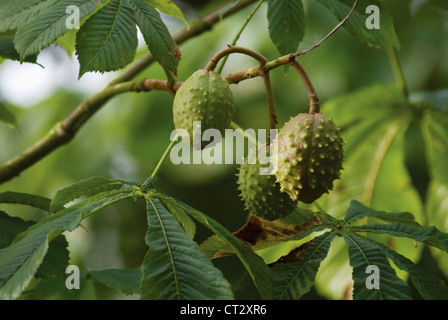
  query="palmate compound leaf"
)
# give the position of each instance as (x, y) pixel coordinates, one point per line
(108, 40)
(374, 121)
(374, 151)
(366, 258)
(174, 267)
(20, 261)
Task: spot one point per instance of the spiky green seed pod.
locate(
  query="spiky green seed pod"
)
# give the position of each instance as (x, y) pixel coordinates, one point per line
(207, 98)
(310, 156)
(261, 193)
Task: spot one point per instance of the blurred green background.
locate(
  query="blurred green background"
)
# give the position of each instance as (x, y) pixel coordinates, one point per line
(127, 137)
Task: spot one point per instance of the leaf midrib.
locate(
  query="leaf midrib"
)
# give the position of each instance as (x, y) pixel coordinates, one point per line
(108, 36)
(168, 247)
(365, 258)
(304, 264)
(378, 162)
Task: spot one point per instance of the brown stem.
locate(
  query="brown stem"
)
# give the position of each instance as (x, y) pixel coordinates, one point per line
(329, 34)
(271, 105)
(312, 95)
(211, 65)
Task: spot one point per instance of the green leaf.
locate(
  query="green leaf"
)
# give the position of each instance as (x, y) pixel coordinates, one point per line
(88, 187)
(376, 101)
(428, 235)
(429, 287)
(8, 51)
(55, 288)
(245, 289)
(124, 281)
(357, 211)
(20, 261)
(108, 40)
(181, 216)
(6, 116)
(67, 42)
(10, 227)
(436, 138)
(363, 253)
(294, 274)
(259, 233)
(286, 20)
(373, 121)
(14, 13)
(157, 36)
(56, 259)
(384, 37)
(257, 268)
(48, 288)
(415, 156)
(17, 273)
(43, 30)
(25, 199)
(174, 267)
(168, 7)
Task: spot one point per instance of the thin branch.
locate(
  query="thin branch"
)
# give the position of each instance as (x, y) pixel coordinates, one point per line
(266, 76)
(270, 100)
(162, 159)
(312, 95)
(340, 24)
(234, 49)
(237, 36)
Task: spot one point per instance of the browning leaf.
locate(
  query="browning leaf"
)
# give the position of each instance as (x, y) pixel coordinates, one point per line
(294, 255)
(259, 233)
